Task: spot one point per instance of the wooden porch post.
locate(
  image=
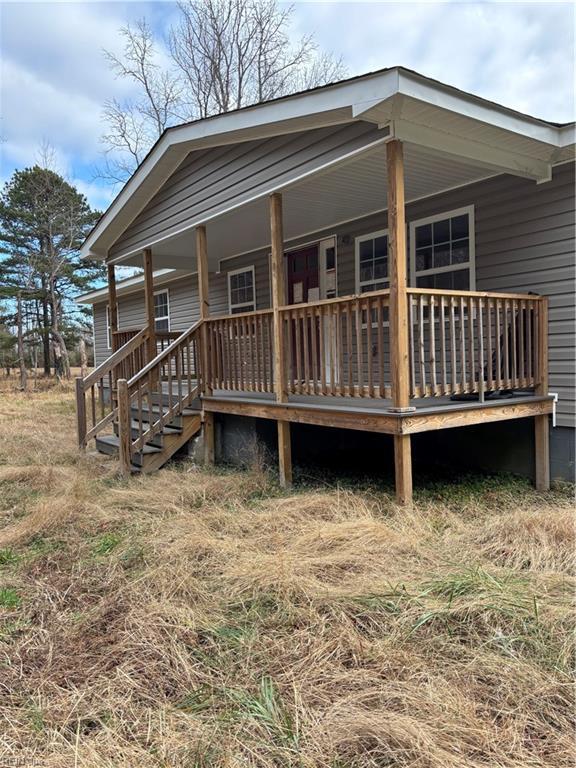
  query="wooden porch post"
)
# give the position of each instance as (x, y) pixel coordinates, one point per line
(204, 300)
(149, 301)
(542, 423)
(112, 305)
(278, 299)
(398, 315)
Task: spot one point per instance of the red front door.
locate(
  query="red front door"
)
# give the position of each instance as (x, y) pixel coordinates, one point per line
(303, 287)
(302, 274)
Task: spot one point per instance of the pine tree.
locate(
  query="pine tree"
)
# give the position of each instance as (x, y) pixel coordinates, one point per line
(43, 222)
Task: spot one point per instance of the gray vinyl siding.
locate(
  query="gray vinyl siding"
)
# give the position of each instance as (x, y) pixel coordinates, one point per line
(524, 242)
(208, 180)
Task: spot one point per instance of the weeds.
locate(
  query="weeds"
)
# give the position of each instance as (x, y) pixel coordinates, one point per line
(210, 620)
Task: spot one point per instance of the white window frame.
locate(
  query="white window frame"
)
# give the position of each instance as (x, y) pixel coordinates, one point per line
(247, 306)
(163, 317)
(109, 327)
(361, 239)
(470, 264)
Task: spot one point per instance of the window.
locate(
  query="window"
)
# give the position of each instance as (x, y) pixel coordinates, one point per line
(241, 290)
(161, 311)
(442, 251)
(372, 262)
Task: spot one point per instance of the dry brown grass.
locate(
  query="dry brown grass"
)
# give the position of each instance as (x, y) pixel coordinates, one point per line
(196, 619)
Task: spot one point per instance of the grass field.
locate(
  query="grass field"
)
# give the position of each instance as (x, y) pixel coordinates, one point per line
(193, 619)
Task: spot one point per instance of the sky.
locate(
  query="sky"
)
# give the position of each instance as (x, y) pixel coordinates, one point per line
(54, 78)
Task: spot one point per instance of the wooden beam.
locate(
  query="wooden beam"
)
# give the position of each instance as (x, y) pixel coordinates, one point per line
(398, 283)
(149, 302)
(204, 299)
(542, 423)
(403, 468)
(112, 305)
(278, 293)
(124, 431)
(278, 300)
(399, 350)
(284, 454)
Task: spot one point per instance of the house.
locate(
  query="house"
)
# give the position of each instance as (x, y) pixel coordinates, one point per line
(385, 254)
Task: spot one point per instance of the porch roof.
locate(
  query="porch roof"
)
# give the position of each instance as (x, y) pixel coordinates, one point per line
(451, 137)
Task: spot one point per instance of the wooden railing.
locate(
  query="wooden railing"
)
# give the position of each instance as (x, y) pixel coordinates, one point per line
(460, 342)
(338, 346)
(469, 342)
(157, 394)
(240, 352)
(95, 399)
(163, 340)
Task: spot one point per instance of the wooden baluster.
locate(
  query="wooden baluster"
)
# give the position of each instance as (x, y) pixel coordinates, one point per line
(305, 345)
(498, 342)
(359, 360)
(340, 317)
(472, 383)
(380, 345)
(506, 331)
(258, 343)
(268, 351)
(432, 326)
(480, 326)
(333, 349)
(514, 310)
(529, 355)
(322, 348)
(453, 386)
(369, 348)
(188, 371)
(349, 348)
(178, 376)
(314, 349)
(522, 320)
(464, 381)
(490, 346)
(421, 347)
(442, 329)
(412, 346)
(93, 403)
(298, 383)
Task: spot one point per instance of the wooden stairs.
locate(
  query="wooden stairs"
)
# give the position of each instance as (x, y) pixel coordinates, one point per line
(161, 446)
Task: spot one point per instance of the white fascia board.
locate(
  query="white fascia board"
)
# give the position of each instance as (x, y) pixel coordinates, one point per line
(446, 97)
(374, 88)
(499, 160)
(126, 286)
(567, 135)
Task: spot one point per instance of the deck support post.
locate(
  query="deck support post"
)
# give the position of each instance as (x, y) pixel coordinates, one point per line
(149, 302)
(112, 306)
(542, 423)
(278, 299)
(124, 431)
(204, 299)
(399, 350)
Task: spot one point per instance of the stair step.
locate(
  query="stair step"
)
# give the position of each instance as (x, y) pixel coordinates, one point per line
(110, 445)
(157, 440)
(155, 410)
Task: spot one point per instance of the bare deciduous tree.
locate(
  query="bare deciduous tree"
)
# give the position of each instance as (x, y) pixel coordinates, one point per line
(223, 55)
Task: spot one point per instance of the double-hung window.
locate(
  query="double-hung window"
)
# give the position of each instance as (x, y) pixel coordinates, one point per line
(241, 290)
(372, 261)
(442, 251)
(161, 311)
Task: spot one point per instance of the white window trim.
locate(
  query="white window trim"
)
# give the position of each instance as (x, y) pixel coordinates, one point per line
(361, 239)
(108, 329)
(167, 316)
(249, 306)
(470, 264)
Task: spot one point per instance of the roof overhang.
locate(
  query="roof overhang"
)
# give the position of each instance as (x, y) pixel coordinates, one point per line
(410, 107)
(133, 285)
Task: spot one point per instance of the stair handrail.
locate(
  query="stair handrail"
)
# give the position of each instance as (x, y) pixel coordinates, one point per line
(97, 377)
(141, 387)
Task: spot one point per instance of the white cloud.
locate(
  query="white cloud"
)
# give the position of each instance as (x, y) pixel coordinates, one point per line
(518, 54)
(54, 78)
